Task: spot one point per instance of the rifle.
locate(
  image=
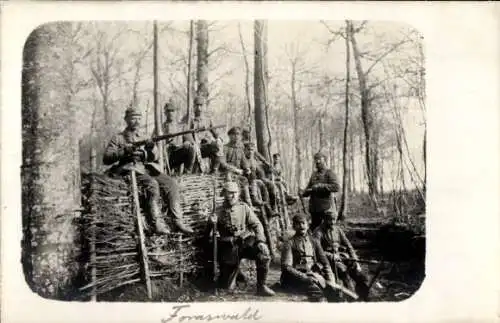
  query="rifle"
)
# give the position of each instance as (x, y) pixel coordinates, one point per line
(176, 134)
(214, 237)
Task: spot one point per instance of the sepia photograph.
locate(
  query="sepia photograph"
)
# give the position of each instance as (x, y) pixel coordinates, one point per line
(213, 161)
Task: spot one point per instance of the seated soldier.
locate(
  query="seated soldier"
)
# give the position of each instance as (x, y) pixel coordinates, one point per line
(304, 266)
(234, 155)
(241, 236)
(341, 254)
(281, 184)
(258, 190)
(124, 157)
(180, 150)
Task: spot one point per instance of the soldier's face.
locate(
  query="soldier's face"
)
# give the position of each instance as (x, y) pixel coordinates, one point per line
(235, 137)
(330, 221)
(301, 226)
(170, 115)
(231, 197)
(133, 122)
(319, 162)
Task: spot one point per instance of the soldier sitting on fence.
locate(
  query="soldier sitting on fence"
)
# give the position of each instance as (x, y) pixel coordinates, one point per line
(234, 155)
(280, 182)
(304, 266)
(125, 157)
(258, 189)
(181, 149)
(241, 236)
(341, 254)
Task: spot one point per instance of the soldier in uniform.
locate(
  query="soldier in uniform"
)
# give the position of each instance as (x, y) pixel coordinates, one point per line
(241, 236)
(321, 188)
(234, 155)
(180, 150)
(258, 189)
(304, 266)
(341, 254)
(124, 157)
(281, 184)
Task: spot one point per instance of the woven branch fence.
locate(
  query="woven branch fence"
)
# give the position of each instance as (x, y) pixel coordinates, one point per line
(116, 245)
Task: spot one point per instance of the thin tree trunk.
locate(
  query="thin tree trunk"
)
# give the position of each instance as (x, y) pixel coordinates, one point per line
(202, 62)
(247, 80)
(367, 118)
(298, 152)
(343, 204)
(260, 31)
(50, 173)
(189, 87)
(157, 109)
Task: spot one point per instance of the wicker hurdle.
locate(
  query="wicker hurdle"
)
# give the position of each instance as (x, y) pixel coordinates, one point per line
(114, 230)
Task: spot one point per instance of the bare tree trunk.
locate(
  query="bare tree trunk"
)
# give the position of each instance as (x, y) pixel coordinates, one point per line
(343, 204)
(50, 170)
(247, 79)
(202, 62)
(189, 88)
(157, 109)
(367, 118)
(260, 31)
(298, 151)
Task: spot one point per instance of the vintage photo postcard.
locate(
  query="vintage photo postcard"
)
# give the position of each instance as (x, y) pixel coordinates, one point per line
(195, 165)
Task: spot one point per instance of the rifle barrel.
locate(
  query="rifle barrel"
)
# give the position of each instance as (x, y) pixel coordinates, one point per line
(176, 134)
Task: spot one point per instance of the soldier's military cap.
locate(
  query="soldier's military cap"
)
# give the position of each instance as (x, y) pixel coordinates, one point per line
(319, 155)
(299, 218)
(132, 112)
(231, 187)
(234, 130)
(169, 106)
(249, 144)
(199, 100)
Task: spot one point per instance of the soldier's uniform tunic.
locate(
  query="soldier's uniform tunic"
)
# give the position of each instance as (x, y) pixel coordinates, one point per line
(321, 188)
(302, 255)
(333, 240)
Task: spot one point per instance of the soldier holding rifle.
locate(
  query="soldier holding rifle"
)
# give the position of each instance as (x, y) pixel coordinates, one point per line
(124, 154)
(241, 236)
(341, 254)
(304, 266)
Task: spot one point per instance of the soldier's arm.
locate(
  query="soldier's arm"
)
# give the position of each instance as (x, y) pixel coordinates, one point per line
(287, 263)
(114, 151)
(253, 224)
(330, 183)
(323, 260)
(347, 243)
(307, 190)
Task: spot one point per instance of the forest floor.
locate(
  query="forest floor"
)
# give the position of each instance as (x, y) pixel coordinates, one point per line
(375, 237)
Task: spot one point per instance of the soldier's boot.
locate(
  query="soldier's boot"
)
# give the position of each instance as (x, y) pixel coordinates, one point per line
(182, 227)
(158, 222)
(262, 288)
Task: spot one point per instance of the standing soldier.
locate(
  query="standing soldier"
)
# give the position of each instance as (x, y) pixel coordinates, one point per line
(321, 188)
(241, 236)
(304, 266)
(341, 254)
(180, 150)
(124, 157)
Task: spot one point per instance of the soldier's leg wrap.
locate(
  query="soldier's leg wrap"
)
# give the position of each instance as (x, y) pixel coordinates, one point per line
(170, 193)
(151, 189)
(245, 190)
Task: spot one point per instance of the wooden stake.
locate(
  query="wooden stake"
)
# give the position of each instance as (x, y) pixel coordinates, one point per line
(181, 263)
(93, 270)
(142, 244)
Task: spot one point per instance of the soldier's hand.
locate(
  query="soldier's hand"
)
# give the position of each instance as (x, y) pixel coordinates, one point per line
(357, 267)
(262, 247)
(149, 145)
(212, 218)
(139, 154)
(238, 171)
(129, 150)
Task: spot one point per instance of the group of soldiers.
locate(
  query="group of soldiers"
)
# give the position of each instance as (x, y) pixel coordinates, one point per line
(307, 257)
